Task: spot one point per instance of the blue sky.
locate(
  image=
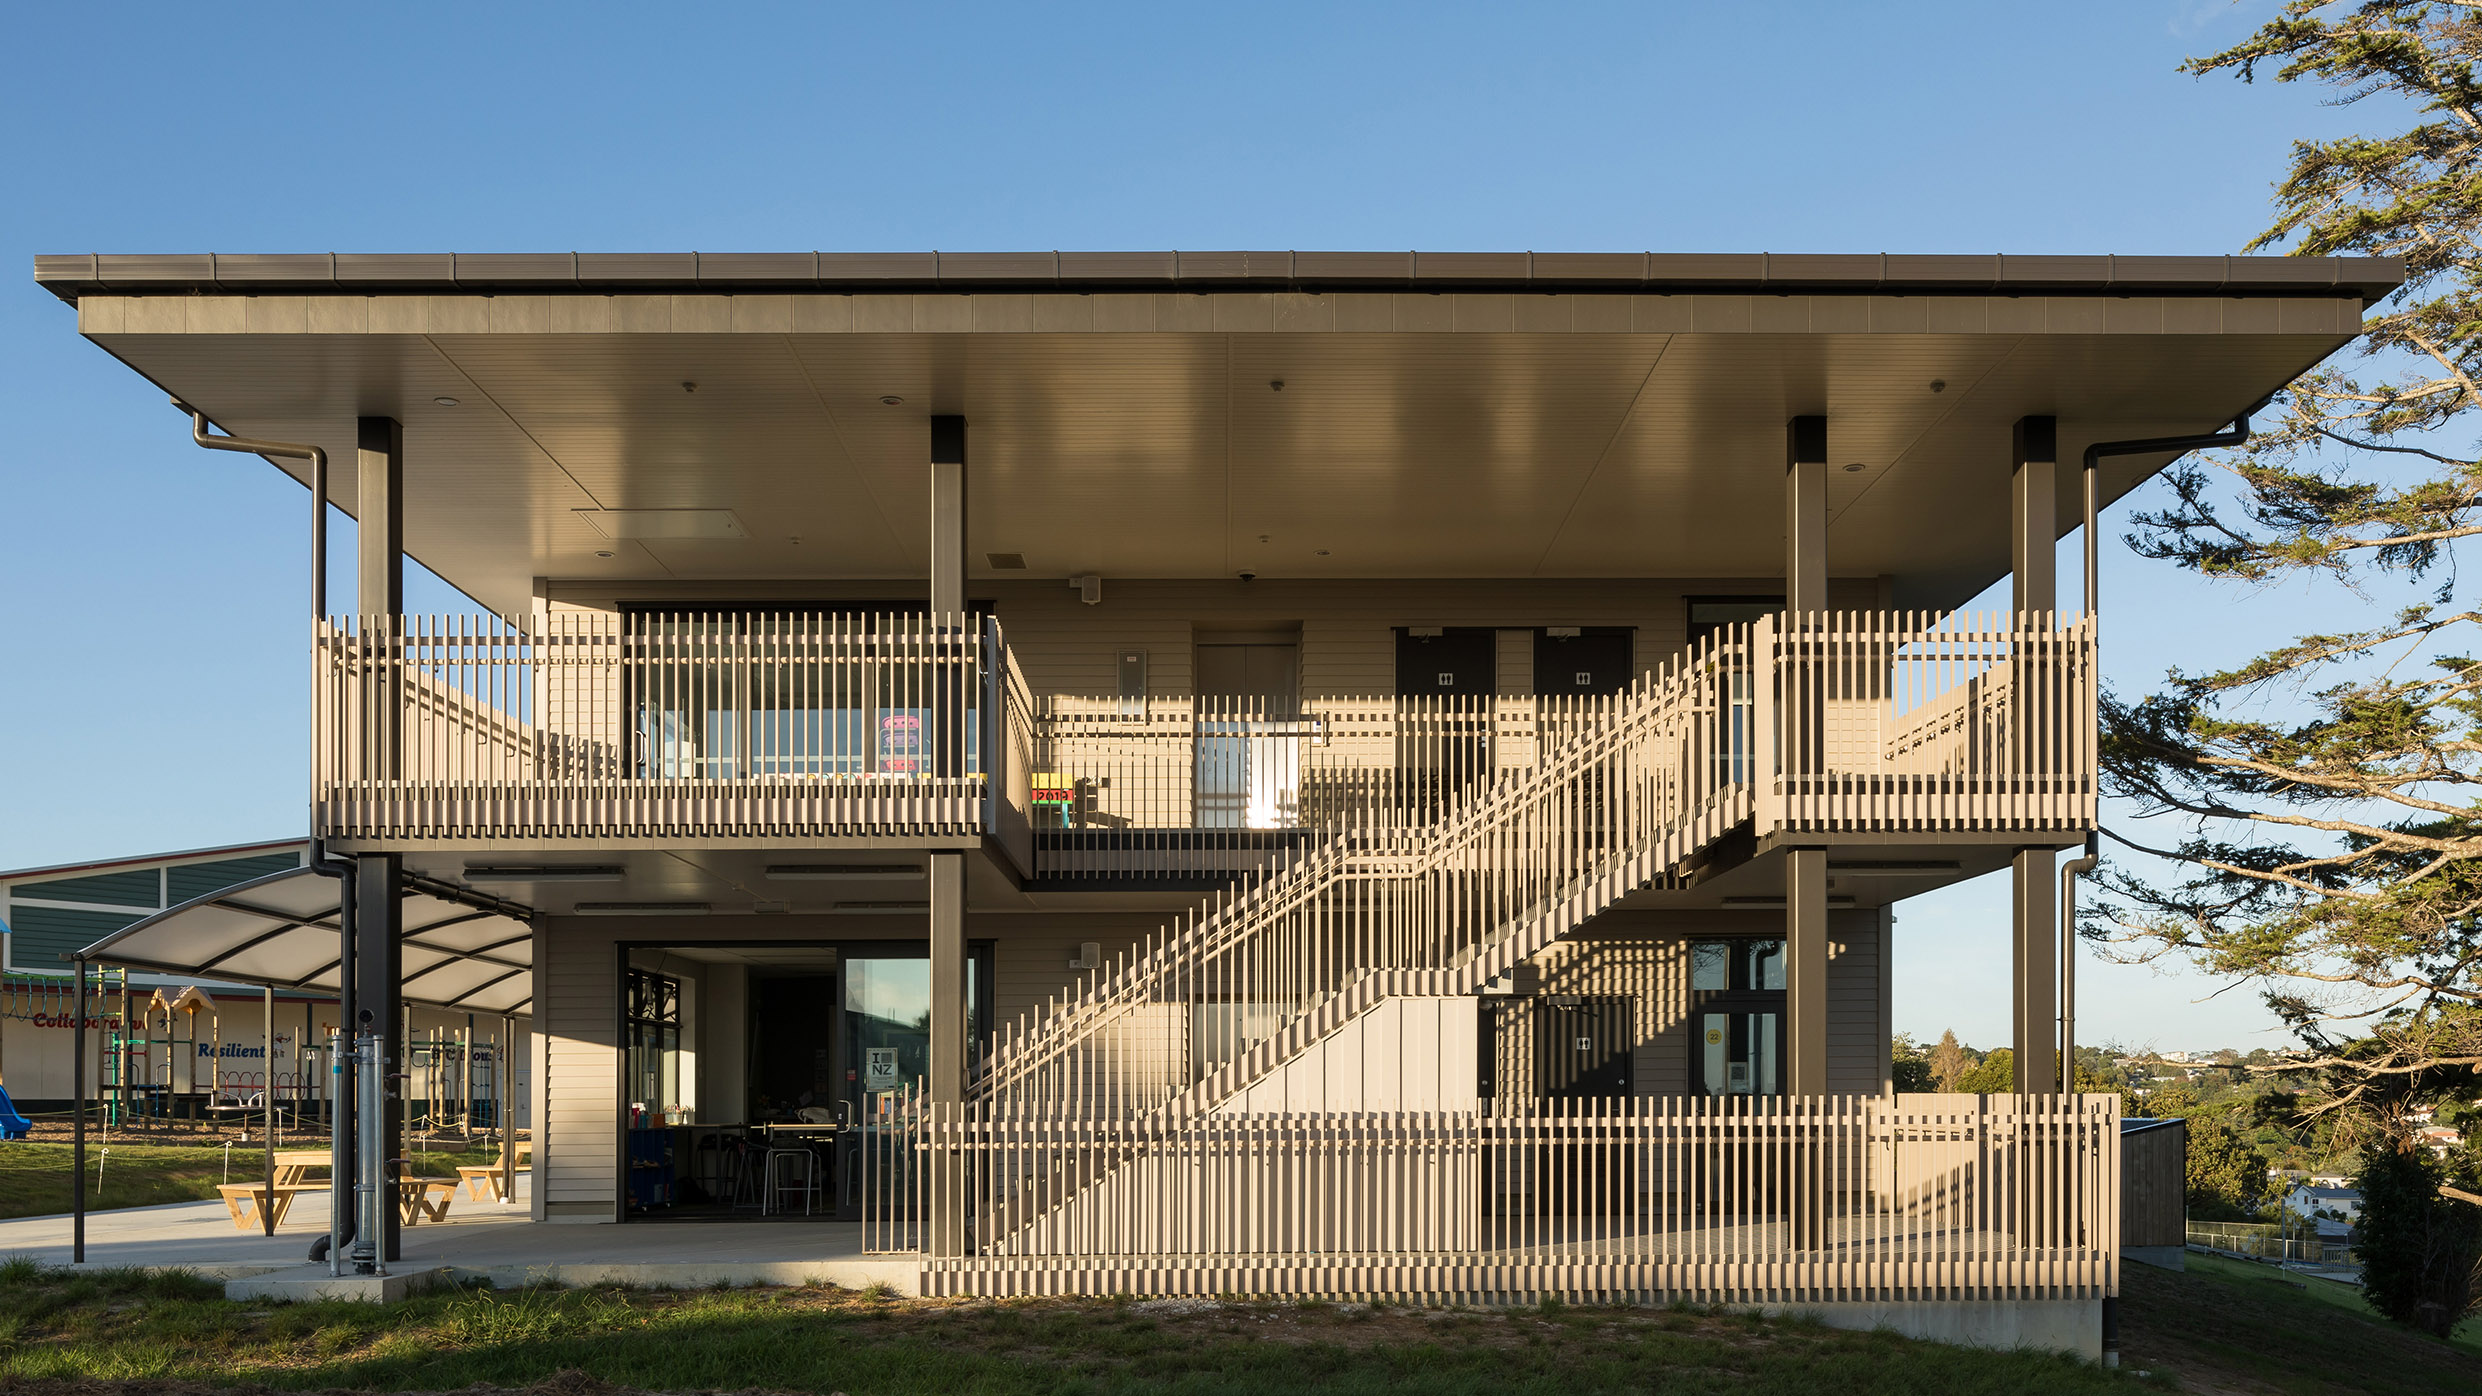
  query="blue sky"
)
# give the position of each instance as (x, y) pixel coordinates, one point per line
(150, 593)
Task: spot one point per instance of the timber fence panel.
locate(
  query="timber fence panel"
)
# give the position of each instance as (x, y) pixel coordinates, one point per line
(1767, 1200)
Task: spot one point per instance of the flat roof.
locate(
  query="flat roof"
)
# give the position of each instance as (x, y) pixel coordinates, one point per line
(1881, 273)
(1303, 416)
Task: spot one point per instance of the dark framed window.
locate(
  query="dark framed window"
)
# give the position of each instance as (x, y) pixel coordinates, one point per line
(651, 1018)
(1736, 1017)
(735, 692)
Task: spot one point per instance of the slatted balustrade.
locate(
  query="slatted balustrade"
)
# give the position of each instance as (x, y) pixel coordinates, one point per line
(1211, 785)
(577, 727)
(1912, 721)
(1770, 1199)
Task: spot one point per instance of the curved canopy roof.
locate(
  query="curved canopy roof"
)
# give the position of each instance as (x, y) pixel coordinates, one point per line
(281, 930)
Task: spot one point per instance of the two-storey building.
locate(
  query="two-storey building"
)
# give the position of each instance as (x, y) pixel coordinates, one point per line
(1236, 772)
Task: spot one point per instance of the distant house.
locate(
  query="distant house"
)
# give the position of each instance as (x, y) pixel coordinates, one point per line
(2439, 1138)
(2333, 1209)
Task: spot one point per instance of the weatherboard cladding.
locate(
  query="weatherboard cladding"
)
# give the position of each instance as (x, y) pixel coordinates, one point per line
(191, 880)
(42, 937)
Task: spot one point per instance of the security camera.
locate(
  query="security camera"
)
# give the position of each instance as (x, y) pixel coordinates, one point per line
(1248, 576)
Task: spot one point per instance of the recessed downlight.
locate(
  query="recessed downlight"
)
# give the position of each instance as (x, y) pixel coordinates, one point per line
(891, 400)
(445, 401)
(1855, 468)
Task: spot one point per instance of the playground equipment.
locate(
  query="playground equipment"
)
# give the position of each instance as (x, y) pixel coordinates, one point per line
(48, 1001)
(36, 998)
(12, 1124)
(457, 1085)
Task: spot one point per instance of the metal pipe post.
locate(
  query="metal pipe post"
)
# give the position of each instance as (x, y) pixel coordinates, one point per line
(267, 1099)
(77, 1118)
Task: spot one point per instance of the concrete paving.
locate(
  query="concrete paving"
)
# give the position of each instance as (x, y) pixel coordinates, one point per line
(480, 1240)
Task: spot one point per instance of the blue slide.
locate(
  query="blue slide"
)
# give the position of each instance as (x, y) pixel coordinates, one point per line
(12, 1124)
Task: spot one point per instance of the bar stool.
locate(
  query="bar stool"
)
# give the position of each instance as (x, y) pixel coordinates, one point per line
(793, 1160)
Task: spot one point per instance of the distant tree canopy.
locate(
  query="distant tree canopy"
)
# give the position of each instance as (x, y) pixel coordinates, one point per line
(1909, 1066)
(2328, 788)
(1995, 1074)
(1949, 1061)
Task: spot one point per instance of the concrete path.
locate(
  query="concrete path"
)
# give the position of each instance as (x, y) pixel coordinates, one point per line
(480, 1240)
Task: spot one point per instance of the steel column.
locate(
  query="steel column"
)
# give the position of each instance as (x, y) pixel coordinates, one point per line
(379, 968)
(2033, 545)
(1805, 970)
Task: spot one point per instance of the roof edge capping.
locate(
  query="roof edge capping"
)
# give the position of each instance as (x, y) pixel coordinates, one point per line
(70, 277)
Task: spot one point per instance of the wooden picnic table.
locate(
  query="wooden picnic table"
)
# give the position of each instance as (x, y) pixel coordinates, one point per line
(419, 1197)
(292, 1178)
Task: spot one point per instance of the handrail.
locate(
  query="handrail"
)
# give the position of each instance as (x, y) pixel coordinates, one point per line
(1519, 839)
(1862, 720)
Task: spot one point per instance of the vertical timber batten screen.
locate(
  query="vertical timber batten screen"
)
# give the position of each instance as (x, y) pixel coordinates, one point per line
(593, 725)
(1915, 722)
(1754, 1200)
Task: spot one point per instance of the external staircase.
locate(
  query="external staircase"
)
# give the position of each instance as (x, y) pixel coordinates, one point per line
(1624, 791)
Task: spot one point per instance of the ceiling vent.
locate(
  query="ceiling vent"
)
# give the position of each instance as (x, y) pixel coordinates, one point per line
(664, 523)
(1007, 562)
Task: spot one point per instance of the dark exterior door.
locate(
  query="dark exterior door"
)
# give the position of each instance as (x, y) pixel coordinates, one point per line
(1459, 663)
(1566, 1160)
(1248, 763)
(1444, 684)
(1590, 663)
(1581, 1048)
(1557, 1047)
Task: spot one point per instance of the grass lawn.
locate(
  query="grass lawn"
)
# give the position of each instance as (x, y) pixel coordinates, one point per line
(2230, 1325)
(120, 1333)
(34, 1177)
(127, 1333)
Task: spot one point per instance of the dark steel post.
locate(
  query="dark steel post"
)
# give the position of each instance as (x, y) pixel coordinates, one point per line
(77, 1119)
(267, 1098)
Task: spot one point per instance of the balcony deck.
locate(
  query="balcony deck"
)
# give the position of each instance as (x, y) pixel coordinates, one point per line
(591, 730)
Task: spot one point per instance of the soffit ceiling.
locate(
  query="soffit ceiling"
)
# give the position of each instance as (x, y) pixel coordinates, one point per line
(1170, 454)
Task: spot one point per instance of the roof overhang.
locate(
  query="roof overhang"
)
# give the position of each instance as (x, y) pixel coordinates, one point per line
(1440, 415)
(461, 952)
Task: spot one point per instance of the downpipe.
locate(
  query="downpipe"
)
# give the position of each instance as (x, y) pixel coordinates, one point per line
(2235, 435)
(344, 1093)
(2070, 871)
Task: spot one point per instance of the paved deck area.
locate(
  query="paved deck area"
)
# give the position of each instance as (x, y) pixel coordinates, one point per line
(483, 1240)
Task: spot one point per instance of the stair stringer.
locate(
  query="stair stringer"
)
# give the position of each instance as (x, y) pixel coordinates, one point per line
(1526, 936)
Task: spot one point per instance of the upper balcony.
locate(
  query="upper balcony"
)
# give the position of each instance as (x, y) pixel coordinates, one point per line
(820, 729)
